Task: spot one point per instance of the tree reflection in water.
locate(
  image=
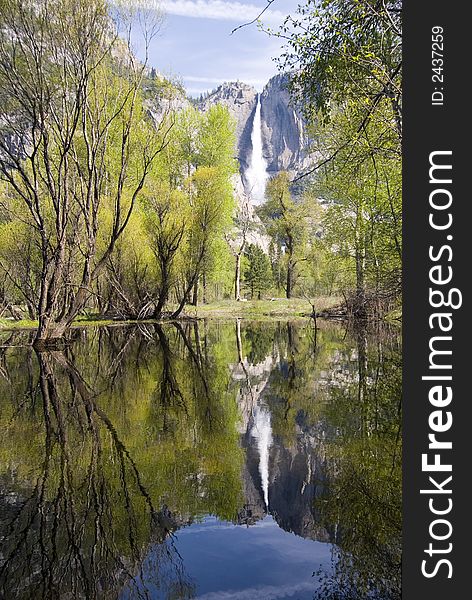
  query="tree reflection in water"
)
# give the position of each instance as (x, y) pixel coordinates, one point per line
(364, 497)
(81, 528)
(113, 443)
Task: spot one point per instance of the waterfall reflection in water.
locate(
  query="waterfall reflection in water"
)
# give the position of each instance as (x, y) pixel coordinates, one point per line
(137, 466)
(262, 432)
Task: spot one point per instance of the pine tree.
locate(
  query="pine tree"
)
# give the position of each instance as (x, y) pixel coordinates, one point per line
(257, 275)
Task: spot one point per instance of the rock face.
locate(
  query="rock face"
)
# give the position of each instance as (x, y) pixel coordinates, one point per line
(284, 139)
(162, 95)
(298, 478)
(283, 129)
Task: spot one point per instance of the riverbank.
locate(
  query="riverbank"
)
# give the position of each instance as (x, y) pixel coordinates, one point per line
(278, 308)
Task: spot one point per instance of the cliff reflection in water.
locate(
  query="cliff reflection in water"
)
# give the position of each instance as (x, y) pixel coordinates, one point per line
(114, 445)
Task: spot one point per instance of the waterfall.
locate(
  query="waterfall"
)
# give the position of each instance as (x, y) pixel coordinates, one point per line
(256, 174)
(262, 432)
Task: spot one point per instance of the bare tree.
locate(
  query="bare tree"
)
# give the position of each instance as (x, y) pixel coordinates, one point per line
(75, 146)
(237, 243)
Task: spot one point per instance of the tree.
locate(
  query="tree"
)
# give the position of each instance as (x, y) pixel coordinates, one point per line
(74, 141)
(20, 264)
(166, 225)
(217, 140)
(216, 143)
(237, 241)
(257, 275)
(288, 223)
(179, 220)
(345, 65)
(341, 50)
(129, 279)
(362, 225)
(211, 207)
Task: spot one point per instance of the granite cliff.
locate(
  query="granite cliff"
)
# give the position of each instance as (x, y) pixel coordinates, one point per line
(284, 138)
(283, 129)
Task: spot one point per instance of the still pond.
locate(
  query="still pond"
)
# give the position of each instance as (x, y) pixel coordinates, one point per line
(215, 460)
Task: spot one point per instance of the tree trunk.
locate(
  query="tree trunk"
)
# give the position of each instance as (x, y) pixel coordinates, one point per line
(204, 286)
(237, 278)
(194, 301)
(161, 301)
(290, 268)
(359, 308)
(163, 292)
(192, 282)
(185, 298)
(31, 310)
(289, 279)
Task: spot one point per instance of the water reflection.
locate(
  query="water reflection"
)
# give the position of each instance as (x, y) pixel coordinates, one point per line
(146, 462)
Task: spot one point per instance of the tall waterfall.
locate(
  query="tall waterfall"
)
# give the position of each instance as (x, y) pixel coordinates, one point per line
(257, 174)
(262, 432)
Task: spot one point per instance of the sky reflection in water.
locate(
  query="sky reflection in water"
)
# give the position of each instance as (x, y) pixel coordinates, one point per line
(235, 562)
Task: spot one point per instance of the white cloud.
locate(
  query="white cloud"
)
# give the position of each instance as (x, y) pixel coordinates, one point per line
(264, 592)
(222, 10)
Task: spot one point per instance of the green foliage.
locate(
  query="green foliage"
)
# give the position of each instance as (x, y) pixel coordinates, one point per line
(345, 65)
(83, 144)
(217, 140)
(186, 205)
(362, 226)
(257, 274)
(212, 204)
(153, 217)
(291, 226)
(132, 218)
(342, 50)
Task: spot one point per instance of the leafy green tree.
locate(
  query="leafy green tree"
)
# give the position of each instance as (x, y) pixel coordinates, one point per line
(345, 64)
(340, 50)
(216, 143)
(166, 225)
(20, 265)
(130, 274)
(257, 275)
(236, 239)
(216, 140)
(181, 154)
(211, 207)
(177, 228)
(74, 141)
(362, 224)
(289, 224)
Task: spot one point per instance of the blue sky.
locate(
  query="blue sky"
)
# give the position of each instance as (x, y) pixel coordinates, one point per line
(195, 44)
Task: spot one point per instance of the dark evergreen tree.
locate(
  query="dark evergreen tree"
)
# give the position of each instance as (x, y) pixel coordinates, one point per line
(258, 276)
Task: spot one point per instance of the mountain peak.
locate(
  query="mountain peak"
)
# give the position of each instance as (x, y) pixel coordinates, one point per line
(232, 91)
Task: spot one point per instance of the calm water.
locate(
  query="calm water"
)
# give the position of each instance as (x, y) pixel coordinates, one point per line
(220, 461)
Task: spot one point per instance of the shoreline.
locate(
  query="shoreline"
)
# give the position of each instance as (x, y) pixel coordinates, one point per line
(279, 309)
